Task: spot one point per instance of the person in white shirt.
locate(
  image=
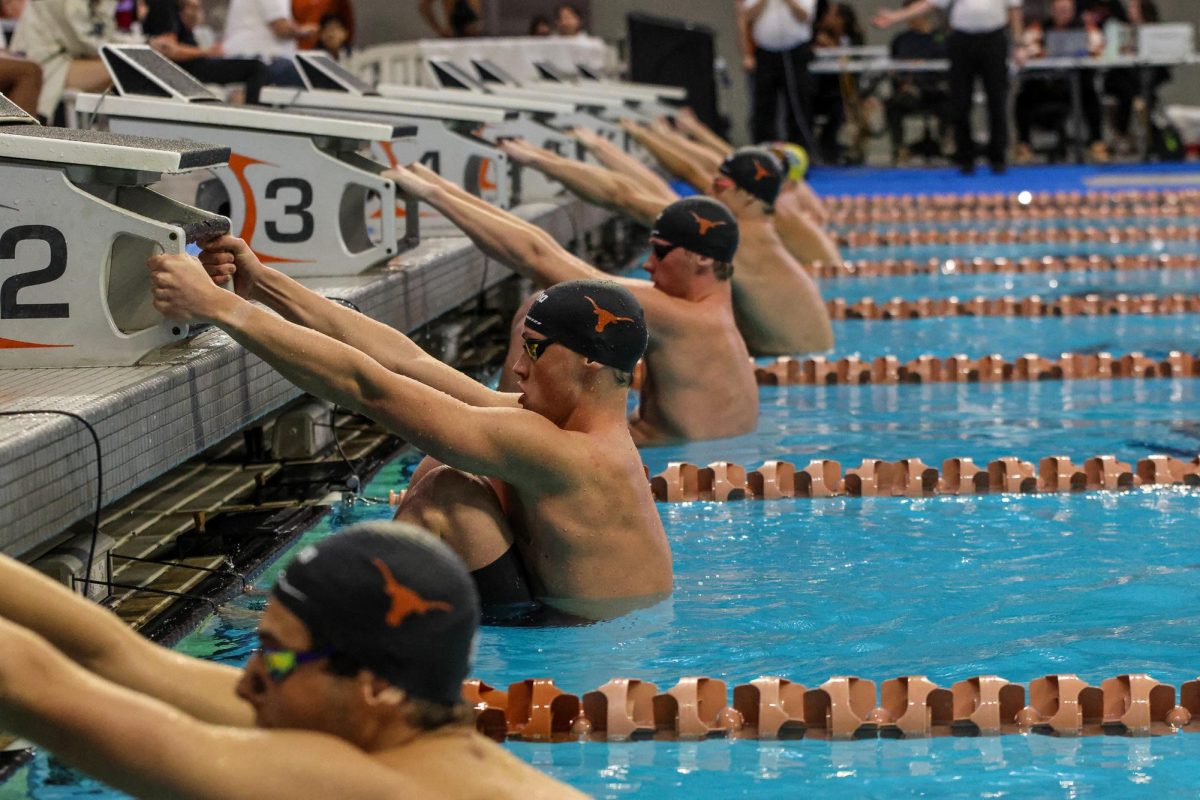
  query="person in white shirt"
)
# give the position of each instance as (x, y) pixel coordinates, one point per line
(776, 41)
(978, 48)
(265, 29)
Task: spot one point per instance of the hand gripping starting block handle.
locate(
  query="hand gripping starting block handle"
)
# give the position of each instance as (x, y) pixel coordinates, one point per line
(297, 189)
(77, 223)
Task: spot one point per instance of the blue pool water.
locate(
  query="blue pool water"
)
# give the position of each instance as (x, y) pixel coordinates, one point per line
(1049, 284)
(1013, 337)
(947, 587)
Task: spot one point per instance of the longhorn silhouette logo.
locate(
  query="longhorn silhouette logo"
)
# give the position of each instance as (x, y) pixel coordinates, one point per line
(604, 317)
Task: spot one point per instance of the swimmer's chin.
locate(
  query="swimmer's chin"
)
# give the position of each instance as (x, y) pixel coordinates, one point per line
(602, 609)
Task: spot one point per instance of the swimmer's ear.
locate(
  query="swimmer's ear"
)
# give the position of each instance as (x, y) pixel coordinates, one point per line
(381, 693)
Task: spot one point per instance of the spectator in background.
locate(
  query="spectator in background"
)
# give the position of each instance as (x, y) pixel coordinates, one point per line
(265, 29)
(171, 26)
(978, 47)
(539, 25)
(918, 93)
(461, 18)
(315, 12)
(63, 37)
(334, 37)
(568, 20)
(1049, 96)
(20, 81)
(776, 42)
(836, 27)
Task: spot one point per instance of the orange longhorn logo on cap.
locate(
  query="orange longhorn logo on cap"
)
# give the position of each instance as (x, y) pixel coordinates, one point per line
(706, 225)
(604, 318)
(405, 602)
(760, 171)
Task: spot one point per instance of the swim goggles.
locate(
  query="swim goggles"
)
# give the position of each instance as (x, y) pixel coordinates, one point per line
(281, 663)
(662, 249)
(535, 347)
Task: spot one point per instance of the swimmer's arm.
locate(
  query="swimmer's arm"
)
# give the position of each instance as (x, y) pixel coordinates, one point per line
(804, 238)
(597, 185)
(500, 442)
(148, 749)
(676, 160)
(99, 642)
(618, 160)
(229, 256)
(425, 7)
(690, 124)
(812, 203)
(522, 246)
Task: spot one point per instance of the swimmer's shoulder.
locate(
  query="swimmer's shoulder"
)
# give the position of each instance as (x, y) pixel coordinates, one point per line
(467, 765)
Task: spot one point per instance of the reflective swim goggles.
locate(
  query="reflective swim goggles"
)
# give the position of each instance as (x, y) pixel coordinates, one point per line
(535, 347)
(662, 249)
(281, 663)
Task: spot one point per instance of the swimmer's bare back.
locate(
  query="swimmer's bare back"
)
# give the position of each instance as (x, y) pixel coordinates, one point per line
(779, 306)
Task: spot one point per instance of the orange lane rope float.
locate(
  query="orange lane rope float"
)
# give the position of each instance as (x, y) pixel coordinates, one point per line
(1012, 205)
(1111, 235)
(986, 266)
(842, 708)
(820, 371)
(723, 481)
(1087, 305)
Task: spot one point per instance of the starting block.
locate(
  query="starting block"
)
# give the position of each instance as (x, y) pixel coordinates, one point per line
(446, 137)
(297, 189)
(598, 112)
(77, 223)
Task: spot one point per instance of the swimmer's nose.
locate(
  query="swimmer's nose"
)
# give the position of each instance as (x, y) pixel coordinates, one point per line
(253, 684)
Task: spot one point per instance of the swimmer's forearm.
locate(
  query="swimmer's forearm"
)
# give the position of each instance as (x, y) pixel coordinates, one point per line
(518, 244)
(597, 185)
(623, 163)
(672, 160)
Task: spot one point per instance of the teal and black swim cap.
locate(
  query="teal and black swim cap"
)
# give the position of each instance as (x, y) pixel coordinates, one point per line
(699, 224)
(392, 598)
(754, 170)
(598, 319)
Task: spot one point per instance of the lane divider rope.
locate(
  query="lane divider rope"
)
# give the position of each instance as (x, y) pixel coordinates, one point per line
(820, 371)
(1088, 305)
(1111, 235)
(726, 481)
(890, 267)
(842, 708)
(1061, 204)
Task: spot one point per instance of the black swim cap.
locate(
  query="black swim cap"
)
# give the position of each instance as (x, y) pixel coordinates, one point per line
(700, 224)
(755, 170)
(393, 598)
(598, 319)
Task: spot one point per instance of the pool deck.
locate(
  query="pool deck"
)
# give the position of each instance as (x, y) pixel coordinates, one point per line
(182, 399)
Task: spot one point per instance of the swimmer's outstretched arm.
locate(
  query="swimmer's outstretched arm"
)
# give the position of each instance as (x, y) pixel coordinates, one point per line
(690, 162)
(804, 238)
(100, 643)
(597, 185)
(148, 749)
(508, 443)
(621, 162)
(689, 123)
(520, 245)
(229, 257)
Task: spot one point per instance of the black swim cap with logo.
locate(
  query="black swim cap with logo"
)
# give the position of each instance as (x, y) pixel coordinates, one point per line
(755, 170)
(392, 598)
(601, 320)
(699, 224)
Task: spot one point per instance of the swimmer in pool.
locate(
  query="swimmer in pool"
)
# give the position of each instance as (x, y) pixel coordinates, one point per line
(699, 380)
(354, 692)
(778, 305)
(542, 493)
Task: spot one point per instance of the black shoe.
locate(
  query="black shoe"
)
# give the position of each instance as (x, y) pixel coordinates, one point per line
(967, 169)
(999, 167)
